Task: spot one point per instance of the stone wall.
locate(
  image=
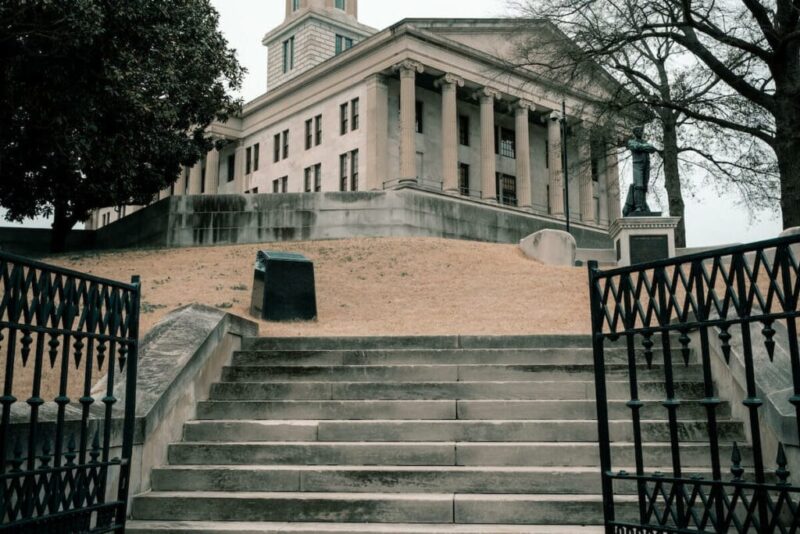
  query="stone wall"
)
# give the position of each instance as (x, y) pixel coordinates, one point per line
(203, 220)
(217, 220)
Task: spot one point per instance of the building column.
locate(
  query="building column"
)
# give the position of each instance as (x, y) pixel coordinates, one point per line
(585, 188)
(524, 196)
(164, 193)
(212, 172)
(555, 165)
(450, 84)
(195, 175)
(408, 109)
(238, 173)
(180, 183)
(377, 132)
(487, 97)
(612, 184)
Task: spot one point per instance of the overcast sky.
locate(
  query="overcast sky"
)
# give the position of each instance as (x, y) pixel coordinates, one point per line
(711, 219)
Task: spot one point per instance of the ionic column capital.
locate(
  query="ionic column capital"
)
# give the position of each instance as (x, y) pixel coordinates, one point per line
(450, 79)
(409, 67)
(486, 93)
(524, 105)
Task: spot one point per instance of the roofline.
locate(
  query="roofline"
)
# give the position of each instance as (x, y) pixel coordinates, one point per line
(397, 31)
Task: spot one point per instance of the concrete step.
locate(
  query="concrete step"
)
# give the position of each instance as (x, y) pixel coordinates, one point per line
(523, 390)
(358, 409)
(562, 356)
(442, 373)
(416, 342)
(377, 507)
(441, 409)
(386, 479)
(543, 454)
(378, 479)
(213, 527)
(446, 430)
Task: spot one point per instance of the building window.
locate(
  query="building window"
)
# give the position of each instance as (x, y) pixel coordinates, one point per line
(343, 172)
(463, 179)
(354, 170)
(285, 184)
(309, 134)
(187, 172)
(231, 167)
(295, 5)
(316, 171)
(256, 152)
(418, 110)
(276, 185)
(595, 170)
(354, 114)
(285, 144)
(343, 114)
(549, 208)
(547, 155)
(343, 43)
(506, 189)
(288, 55)
(463, 130)
(248, 160)
(202, 179)
(505, 142)
(318, 130)
(340, 4)
(276, 151)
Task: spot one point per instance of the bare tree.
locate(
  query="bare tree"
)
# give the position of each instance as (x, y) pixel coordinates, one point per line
(657, 80)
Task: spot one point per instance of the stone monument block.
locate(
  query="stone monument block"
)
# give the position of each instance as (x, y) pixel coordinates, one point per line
(644, 239)
(283, 288)
(551, 247)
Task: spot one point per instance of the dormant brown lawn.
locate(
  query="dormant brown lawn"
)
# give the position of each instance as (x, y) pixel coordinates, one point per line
(368, 286)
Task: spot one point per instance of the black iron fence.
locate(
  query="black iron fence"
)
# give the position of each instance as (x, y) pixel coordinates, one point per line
(666, 316)
(62, 332)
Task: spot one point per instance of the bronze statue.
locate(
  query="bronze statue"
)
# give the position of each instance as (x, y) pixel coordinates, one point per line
(636, 203)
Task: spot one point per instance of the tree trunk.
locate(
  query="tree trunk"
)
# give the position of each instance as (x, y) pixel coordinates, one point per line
(62, 224)
(672, 176)
(787, 149)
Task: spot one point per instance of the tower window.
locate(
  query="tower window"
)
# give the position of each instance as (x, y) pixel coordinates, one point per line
(318, 130)
(309, 137)
(343, 43)
(340, 4)
(288, 55)
(295, 5)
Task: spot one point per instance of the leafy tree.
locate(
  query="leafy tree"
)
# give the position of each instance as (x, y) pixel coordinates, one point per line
(102, 102)
(657, 81)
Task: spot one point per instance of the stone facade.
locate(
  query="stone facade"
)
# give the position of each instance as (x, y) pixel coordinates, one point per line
(478, 127)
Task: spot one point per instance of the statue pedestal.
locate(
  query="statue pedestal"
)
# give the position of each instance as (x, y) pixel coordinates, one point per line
(643, 239)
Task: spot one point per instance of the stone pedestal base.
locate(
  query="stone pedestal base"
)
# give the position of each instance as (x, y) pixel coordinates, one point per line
(643, 239)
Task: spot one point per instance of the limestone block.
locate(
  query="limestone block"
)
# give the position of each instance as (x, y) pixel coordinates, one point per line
(551, 247)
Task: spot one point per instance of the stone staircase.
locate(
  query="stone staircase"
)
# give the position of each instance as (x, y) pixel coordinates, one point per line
(411, 435)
